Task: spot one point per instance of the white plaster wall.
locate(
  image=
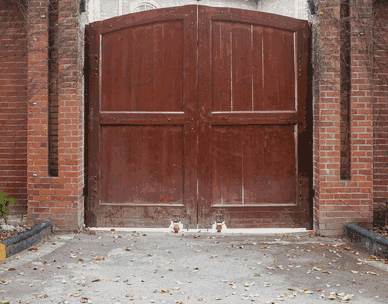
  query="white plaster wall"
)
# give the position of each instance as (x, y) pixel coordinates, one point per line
(103, 9)
(291, 8)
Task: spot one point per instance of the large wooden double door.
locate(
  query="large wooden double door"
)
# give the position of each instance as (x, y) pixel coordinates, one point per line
(198, 114)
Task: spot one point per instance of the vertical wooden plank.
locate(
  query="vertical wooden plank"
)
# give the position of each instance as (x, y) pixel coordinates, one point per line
(305, 123)
(191, 109)
(288, 81)
(221, 66)
(142, 77)
(116, 87)
(255, 160)
(208, 84)
(93, 126)
(258, 69)
(227, 168)
(279, 70)
(167, 67)
(271, 69)
(242, 74)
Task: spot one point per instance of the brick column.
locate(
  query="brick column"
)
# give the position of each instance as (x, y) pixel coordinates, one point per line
(58, 198)
(38, 184)
(380, 94)
(13, 106)
(71, 107)
(340, 201)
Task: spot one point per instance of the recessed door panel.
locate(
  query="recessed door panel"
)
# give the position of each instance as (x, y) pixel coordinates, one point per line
(253, 166)
(142, 165)
(142, 68)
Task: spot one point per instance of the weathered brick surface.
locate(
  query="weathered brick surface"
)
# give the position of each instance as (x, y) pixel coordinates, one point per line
(380, 94)
(339, 201)
(13, 105)
(58, 198)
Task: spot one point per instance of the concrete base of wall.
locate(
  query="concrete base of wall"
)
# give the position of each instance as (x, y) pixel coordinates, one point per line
(25, 239)
(368, 240)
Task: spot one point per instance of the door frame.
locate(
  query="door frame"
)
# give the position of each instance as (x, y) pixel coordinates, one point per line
(92, 67)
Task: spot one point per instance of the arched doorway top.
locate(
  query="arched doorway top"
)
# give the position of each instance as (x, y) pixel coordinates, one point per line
(105, 9)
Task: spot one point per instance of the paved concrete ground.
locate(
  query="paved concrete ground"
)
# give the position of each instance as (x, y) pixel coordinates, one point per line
(141, 268)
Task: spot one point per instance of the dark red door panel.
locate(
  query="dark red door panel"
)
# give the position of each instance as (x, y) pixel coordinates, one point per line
(253, 119)
(142, 124)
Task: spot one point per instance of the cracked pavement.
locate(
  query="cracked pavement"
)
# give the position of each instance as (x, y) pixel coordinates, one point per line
(117, 267)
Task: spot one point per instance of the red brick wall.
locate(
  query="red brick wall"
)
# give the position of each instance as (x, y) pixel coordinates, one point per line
(13, 104)
(58, 198)
(339, 201)
(61, 198)
(380, 107)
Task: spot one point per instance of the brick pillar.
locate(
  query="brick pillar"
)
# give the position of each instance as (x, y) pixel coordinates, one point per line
(340, 201)
(380, 91)
(13, 105)
(57, 198)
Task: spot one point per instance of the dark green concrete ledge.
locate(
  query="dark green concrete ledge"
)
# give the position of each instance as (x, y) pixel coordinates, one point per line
(375, 244)
(25, 239)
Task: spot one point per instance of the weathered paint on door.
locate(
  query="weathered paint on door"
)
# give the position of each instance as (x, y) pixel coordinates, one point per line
(198, 114)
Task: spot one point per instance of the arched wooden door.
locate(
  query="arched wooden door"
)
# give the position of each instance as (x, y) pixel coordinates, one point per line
(199, 114)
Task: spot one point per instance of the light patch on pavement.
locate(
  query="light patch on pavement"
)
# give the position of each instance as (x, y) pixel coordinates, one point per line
(43, 248)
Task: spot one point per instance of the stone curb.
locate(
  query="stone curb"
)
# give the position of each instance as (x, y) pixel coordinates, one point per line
(25, 239)
(372, 242)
